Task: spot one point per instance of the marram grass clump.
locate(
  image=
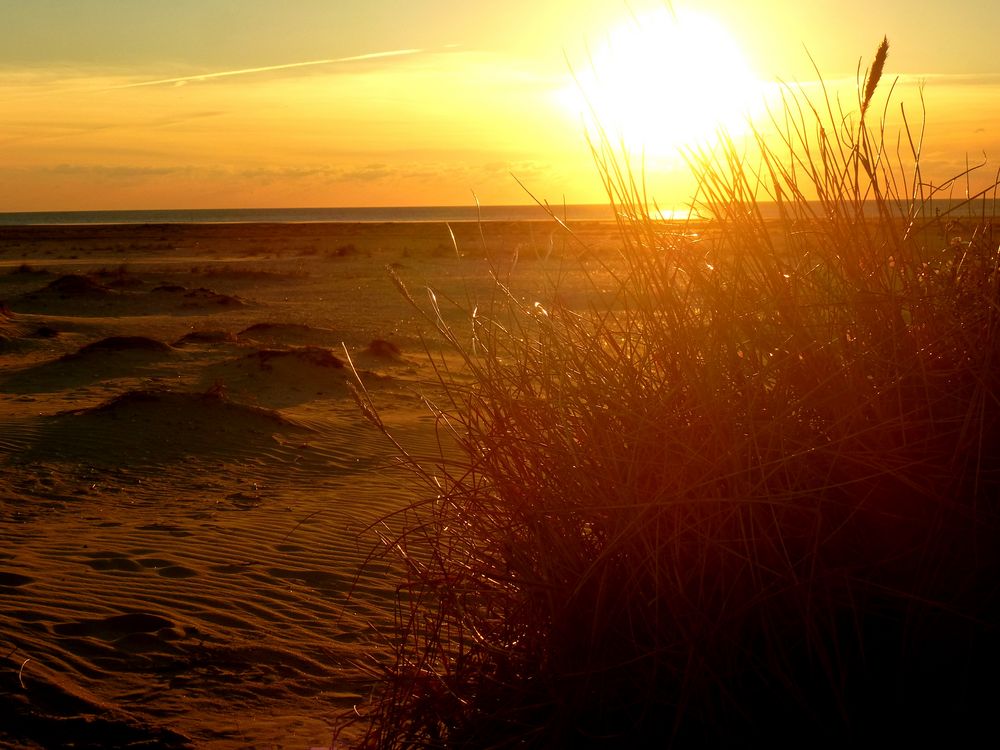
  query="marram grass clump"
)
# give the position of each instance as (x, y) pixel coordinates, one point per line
(753, 499)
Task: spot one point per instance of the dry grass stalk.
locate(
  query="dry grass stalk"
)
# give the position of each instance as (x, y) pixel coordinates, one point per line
(752, 499)
(875, 74)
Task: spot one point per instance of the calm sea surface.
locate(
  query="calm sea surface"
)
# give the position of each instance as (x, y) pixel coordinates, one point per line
(594, 212)
(269, 215)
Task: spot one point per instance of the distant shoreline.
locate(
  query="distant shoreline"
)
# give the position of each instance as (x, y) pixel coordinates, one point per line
(370, 215)
(953, 208)
(85, 245)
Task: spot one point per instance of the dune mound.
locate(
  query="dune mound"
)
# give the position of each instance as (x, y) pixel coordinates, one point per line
(121, 344)
(274, 328)
(70, 294)
(76, 285)
(110, 358)
(26, 269)
(282, 377)
(192, 407)
(381, 356)
(383, 349)
(16, 334)
(206, 337)
(9, 339)
(291, 333)
(9, 326)
(141, 427)
(118, 278)
(197, 298)
(314, 356)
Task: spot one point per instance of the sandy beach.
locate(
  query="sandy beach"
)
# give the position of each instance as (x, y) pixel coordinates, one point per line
(186, 480)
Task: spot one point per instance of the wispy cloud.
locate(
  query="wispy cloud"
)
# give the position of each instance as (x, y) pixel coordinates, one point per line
(113, 172)
(473, 172)
(268, 68)
(956, 79)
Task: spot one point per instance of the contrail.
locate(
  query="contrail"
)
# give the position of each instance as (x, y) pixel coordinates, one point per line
(286, 66)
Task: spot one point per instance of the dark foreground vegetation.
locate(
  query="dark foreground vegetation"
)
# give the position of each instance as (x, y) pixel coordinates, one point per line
(752, 500)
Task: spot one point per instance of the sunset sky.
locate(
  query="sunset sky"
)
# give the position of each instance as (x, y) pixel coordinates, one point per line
(122, 104)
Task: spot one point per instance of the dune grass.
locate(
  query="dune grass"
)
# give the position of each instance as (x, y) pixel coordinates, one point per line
(752, 499)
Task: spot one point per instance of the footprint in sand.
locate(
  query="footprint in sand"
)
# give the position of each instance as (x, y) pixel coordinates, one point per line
(13, 580)
(115, 626)
(122, 564)
(116, 561)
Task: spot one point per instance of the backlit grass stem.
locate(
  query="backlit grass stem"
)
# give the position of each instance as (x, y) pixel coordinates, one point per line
(749, 497)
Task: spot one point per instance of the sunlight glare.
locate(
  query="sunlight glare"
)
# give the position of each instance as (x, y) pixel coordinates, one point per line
(666, 80)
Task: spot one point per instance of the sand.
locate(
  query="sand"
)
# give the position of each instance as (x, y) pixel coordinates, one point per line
(186, 483)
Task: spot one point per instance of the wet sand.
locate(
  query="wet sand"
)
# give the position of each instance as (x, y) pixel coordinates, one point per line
(186, 480)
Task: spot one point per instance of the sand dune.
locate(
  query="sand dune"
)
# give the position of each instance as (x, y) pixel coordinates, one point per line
(14, 332)
(187, 480)
(119, 344)
(211, 336)
(281, 377)
(150, 427)
(115, 356)
(85, 294)
(290, 333)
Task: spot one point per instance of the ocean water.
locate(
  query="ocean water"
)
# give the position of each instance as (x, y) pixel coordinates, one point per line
(580, 212)
(281, 215)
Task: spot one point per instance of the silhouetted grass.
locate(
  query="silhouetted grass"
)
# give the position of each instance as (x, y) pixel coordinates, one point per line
(752, 500)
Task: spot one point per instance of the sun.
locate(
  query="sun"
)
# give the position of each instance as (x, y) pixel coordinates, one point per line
(666, 80)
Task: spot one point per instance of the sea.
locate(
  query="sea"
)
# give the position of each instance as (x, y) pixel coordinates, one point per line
(406, 214)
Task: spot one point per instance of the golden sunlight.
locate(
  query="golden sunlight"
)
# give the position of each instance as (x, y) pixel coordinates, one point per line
(664, 80)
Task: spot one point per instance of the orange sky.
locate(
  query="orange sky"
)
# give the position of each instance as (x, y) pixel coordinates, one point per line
(258, 103)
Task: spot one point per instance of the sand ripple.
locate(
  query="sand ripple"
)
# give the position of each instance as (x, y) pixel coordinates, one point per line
(186, 557)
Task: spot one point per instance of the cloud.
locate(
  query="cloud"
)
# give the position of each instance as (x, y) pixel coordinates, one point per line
(954, 79)
(112, 172)
(364, 173)
(472, 171)
(373, 173)
(118, 175)
(182, 80)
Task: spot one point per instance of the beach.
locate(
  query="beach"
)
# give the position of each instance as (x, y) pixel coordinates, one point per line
(188, 488)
